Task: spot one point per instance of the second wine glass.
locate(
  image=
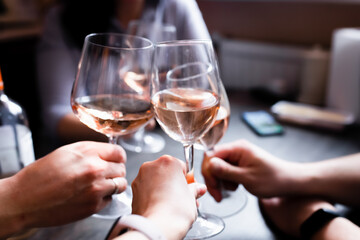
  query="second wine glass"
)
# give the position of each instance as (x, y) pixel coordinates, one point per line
(111, 93)
(185, 98)
(143, 140)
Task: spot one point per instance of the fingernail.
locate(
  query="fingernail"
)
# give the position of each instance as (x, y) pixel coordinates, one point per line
(202, 187)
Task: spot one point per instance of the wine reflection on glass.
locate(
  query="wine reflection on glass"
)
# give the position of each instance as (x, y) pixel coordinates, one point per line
(185, 99)
(111, 93)
(233, 201)
(143, 140)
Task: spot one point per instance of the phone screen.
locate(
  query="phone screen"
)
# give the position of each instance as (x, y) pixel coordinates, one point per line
(262, 123)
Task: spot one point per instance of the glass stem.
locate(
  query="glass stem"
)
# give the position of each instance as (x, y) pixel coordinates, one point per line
(113, 139)
(189, 157)
(139, 136)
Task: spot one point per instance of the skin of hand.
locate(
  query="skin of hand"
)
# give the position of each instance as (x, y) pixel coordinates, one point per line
(241, 162)
(70, 183)
(162, 195)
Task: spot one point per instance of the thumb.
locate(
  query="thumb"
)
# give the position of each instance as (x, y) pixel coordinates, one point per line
(225, 171)
(198, 189)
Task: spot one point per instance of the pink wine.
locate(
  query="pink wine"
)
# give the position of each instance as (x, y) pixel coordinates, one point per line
(190, 177)
(113, 114)
(185, 114)
(218, 129)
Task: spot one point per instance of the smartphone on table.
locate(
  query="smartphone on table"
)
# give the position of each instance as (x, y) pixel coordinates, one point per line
(262, 123)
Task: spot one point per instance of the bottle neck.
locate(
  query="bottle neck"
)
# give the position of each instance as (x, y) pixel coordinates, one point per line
(1, 87)
(2, 94)
(1, 84)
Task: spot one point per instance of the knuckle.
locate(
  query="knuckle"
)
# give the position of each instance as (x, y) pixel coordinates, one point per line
(120, 169)
(92, 171)
(123, 170)
(119, 151)
(168, 160)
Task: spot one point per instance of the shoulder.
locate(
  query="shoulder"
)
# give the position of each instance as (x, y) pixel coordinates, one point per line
(52, 30)
(185, 7)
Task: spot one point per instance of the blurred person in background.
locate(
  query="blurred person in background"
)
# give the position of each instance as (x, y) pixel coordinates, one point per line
(59, 50)
(289, 192)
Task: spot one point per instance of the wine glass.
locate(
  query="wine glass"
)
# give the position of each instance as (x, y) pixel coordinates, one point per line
(185, 99)
(233, 201)
(143, 140)
(111, 93)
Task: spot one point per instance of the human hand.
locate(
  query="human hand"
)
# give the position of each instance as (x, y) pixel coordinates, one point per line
(157, 191)
(68, 184)
(287, 214)
(241, 162)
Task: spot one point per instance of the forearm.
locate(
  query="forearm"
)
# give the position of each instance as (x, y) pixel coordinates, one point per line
(11, 221)
(337, 179)
(172, 228)
(338, 228)
(156, 225)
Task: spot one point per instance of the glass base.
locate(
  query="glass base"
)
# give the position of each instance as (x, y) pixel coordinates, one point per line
(149, 143)
(25, 234)
(205, 226)
(120, 205)
(232, 203)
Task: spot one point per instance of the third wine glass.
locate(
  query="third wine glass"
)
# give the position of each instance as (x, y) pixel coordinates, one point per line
(232, 201)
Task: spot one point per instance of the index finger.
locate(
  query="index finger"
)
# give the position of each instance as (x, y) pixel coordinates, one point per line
(231, 152)
(112, 153)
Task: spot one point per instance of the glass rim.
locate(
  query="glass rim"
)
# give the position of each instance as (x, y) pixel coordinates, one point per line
(167, 26)
(209, 68)
(150, 44)
(187, 42)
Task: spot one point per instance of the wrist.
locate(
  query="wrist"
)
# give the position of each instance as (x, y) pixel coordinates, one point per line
(294, 179)
(170, 227)
(138, 224)
(303, 179)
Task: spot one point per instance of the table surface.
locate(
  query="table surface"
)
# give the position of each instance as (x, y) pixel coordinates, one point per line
(298, 144)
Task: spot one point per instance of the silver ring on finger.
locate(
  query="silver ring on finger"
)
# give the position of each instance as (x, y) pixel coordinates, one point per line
(116, 186)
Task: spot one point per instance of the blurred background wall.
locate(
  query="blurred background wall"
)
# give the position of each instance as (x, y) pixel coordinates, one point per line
(276, 44)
